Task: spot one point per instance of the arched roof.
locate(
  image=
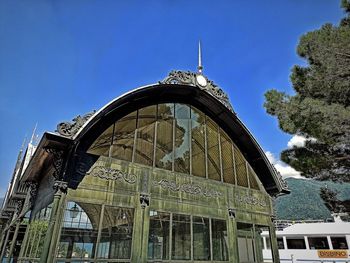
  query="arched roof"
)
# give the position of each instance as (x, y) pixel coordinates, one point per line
(184, 89)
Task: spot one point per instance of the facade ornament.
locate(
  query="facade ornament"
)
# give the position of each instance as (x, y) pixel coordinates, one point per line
(281, 181)
(69, 129)
(144, 200)
(231, 213)
(57, 161)
(18, 206)
(33, 191)
(250, 200)
(200, 81)
(108, 173)
(189, 188)
(60, 187)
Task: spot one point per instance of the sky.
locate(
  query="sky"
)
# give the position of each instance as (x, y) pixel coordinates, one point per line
(59, 59)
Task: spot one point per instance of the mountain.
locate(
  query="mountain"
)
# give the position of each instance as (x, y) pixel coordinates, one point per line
(304, 201)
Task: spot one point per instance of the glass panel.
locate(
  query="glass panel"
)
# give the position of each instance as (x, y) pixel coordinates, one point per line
(103, 143)
(227, 158)
(79, 231)
(37, 232)
(145, 135)
(116, 233)
(241, 169)
(201, 239)
(280, 243)
(252, 178)
(158, 240)
(245, 242)
(198, 142)
(164, 149)
(339, 243)
(219, 240)
(181, 239)
(182, 139)
(214, 171)
(123, 140)
(296, 243)
(318, 243)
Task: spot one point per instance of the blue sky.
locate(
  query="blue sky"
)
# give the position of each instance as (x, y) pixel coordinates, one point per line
(62, 58)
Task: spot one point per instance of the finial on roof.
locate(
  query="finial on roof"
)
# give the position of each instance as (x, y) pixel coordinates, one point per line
(200, 67)
(33, 134)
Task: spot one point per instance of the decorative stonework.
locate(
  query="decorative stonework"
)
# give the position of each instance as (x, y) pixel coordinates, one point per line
(231, 213)
(112, 174)
(187, 188)
(250, 200)
(57, 161)
(190, 78)
(60, 187)
(144, 200)
(19, 206)
(69, 129)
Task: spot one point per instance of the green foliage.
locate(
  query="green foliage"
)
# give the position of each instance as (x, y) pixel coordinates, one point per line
(304, 201)
(320, 108)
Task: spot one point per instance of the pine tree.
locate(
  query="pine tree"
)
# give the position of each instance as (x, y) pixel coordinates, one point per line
(320, 108)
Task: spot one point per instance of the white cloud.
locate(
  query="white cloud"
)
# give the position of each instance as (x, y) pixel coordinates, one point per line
(285, 170)
(298, 141)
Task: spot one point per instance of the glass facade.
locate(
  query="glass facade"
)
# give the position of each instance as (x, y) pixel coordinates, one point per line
(180, 138)
(37, 230)
(187, 237)
(251, 242)
(95, 232)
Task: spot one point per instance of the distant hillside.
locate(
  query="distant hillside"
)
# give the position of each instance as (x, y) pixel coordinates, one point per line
(304, 201)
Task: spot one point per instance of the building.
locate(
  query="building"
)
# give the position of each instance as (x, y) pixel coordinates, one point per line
(164, 173)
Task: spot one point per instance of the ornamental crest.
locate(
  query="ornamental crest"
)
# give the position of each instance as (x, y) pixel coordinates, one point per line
(200, 81)
(69, 129)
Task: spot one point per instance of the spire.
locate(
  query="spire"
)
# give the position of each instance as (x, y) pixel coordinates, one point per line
(200, 67)
(33, 134)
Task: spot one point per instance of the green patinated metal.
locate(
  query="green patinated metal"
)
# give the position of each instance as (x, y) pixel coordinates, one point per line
(90, 206)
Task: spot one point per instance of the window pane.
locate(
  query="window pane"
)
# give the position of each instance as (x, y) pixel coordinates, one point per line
(227, 158)
(339, 243)
(241, 170)
(164, 149)
(198, 142)
(245, 242)
(318, 243)
(296, 243)
(181, 239)
(219, 240)
(214, 171)
(262, 233)
(158, 239)
(182, 139)
(252, 178)
(79, 230)
(201, 239)
(102, 144)
(145, 135)
(116, 233)
(123, 141)
(280, 243)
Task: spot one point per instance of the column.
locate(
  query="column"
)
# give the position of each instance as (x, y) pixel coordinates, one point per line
(274, 246)
(232, 237)
(141, 226)
(14, 239)
(61, 188)
(5, 244)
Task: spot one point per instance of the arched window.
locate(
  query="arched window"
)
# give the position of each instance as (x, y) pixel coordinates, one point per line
(176, 137)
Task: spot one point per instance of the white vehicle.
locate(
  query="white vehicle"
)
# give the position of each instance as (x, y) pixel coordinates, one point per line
(311, 242)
